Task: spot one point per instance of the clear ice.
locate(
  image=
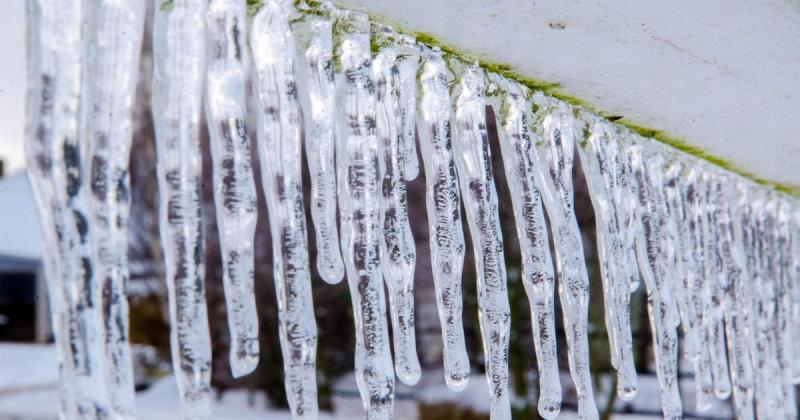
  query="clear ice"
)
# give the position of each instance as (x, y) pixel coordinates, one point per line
(113, 45)
(279, 148)
(513, 112)
(234, 185)
(474, 164)
(398, 249)
(554, 141)
(357, 156)
(178, 81)
(443, 203)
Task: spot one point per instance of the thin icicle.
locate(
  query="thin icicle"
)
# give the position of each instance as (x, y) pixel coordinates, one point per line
(444, 212)
(408, 65)
(398, 249)
(315, 85)
(234, 186)
(555, 148)
(359, 203)
(538, 278)
(179, 52)
(114, 40)
(787, 352)
(656, 252)
(279, 148)
(599, 153)
(53, 155)
(474, 164)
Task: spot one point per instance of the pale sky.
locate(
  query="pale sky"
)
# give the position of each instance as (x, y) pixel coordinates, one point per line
(12, 84)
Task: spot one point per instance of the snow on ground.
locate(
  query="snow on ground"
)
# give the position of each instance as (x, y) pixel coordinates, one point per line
(28, 391)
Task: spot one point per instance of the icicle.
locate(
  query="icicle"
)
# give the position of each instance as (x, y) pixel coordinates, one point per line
(513, 114)
(179, 44)
(787, 355)
(114, 43)
(444, 212)
(54, 167)
(717, 285)
(315, 85)
(555, 148)
(697, 337)
(656, 254)
(398, 249)
(599, 154)
(474, 164)
(408, 65)
(234, 186)
(359, 204)
(279, 150)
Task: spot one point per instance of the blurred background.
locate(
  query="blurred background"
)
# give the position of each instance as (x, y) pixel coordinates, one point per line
(27, 359)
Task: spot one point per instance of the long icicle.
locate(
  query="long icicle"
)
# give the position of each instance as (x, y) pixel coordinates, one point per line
(654, 253)
(521, 167)
(115, 32)
(443, 203)
(315, 86)
(54, 41)
(234, 186)
(474, 164)
(398, 249)
(279, 148)
(599, 152)
(555, 151)
(786, 346)
(179, 53)
(359, 204)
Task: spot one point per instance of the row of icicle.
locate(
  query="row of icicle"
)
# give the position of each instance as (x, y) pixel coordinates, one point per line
(716, 252)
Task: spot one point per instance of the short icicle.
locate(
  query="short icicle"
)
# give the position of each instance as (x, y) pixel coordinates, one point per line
(55, 171)
(555, 150)
(313, 32)
(359, 203)
(115, 31)
(280, 153)
(474, 165)
(234, 184)
(179, 43)
(398, 249)
(656, 255)
(514, 117)
(599, 152)
(443, 202)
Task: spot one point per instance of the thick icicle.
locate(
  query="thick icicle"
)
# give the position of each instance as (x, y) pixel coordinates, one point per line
(599, 152)
(359, 203)
(279, 148)
(398, 249)
(444, 212)
(474, 164)
(234, 186)
(114, 40)
(696, 195)
(179, 44)
(555, 151)
(315, 86)
(54, 41)
(656, 253)
(538, 277)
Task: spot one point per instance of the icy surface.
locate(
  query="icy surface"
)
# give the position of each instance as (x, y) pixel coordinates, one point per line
(359, 205)
(521, 168)
(398, 249)
(443, 203)
(280, 151)
(179, 43)
(234, 186)
(115, 31)
(315, 85)
(555, 151)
